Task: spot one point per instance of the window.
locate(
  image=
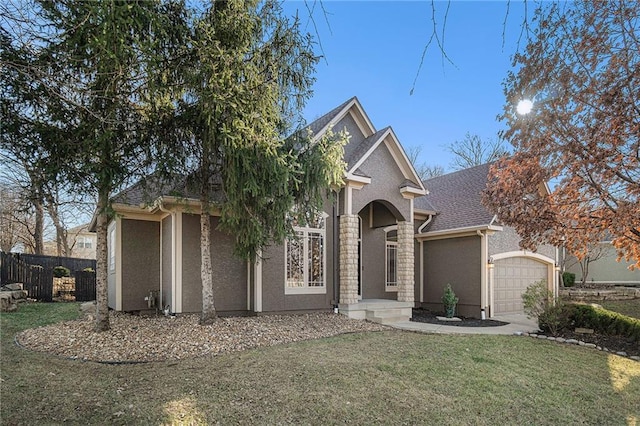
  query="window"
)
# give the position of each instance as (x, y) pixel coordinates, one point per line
(84, 242)
(112, 249)
(305, 255)
(391, 282)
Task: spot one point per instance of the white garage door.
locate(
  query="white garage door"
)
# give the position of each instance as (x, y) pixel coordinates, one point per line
(512, 276)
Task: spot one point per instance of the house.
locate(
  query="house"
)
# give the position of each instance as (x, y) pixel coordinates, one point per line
(381, 246)
(464, 245)
(602, 267)
(82, 243)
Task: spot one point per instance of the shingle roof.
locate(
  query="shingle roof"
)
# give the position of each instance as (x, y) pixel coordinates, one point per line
(456, 197)
(151, 188)
(354, 150)
(319, 123)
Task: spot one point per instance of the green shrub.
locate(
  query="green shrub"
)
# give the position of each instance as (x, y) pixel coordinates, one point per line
(555, 318)
(61, 271)
(568, 279)
(536, 299)
(605, 322)
(88, 270)
(450, 301)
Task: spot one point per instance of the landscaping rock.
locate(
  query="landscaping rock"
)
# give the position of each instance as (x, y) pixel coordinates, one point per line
(572, 341)
(621, 353)
(581, 330)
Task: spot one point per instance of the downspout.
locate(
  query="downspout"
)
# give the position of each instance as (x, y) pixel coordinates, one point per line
(483, 273)
(336, 296)
(167, 308)
(424, 225)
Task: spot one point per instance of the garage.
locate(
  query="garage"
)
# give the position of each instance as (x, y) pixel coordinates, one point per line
(512, 276)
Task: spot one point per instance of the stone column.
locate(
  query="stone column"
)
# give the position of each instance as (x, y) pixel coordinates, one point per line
(348, 259)
(406, 277)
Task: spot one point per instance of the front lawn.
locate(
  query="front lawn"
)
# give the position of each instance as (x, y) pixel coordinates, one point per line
(389, 377)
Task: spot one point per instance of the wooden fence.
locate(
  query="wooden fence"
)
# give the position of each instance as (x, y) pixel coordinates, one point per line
(37, 278)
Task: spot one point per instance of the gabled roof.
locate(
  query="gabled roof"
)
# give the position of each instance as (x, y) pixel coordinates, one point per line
(358, 150)
(456, 197)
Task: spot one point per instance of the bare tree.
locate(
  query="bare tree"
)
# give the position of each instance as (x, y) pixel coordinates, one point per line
(424, 170)
(473, 151)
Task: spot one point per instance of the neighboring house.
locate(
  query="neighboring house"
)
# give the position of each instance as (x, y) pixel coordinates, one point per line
(603, 267)
(82, 243)
(379, 248)
(464, 245)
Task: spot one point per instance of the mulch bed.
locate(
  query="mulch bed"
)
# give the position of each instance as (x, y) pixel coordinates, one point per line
(424, 315)
(612, 343)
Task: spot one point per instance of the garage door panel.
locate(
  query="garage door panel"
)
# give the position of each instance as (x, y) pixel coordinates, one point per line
(512, 276)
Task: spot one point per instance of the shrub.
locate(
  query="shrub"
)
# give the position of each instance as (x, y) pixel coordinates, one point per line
(555, 318)
(568, 279)
(88, 270)
(536, 299)
(450, 301)
(61, 271)
(604, 321)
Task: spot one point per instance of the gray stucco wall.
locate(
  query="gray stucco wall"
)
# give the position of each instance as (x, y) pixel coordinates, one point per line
(508, 240)
(454, 261)
(605, 269)
(355, 135)
(229, 272)
(386, 179)
(140, 262)
(373, 272)
(167, 256)
(274, 298)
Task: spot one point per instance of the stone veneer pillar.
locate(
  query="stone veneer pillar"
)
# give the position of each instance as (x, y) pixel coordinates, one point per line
(348, 259)
(406, 277)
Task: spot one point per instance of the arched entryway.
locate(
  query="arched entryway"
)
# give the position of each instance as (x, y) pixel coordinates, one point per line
(378, 251)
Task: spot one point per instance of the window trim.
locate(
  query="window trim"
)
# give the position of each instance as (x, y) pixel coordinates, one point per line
(306, 288)
(390, 288)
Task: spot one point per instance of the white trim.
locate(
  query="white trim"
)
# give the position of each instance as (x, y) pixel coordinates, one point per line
(118, 276)
(307, 289)
(484, 269)
(348, 202)
(356, 181)
(426, 222)
(523, 253)
(177, 244)
(258, 282)
(421, 271)
(457, 232)
(248, 285)
(358, 120)
(390, 288)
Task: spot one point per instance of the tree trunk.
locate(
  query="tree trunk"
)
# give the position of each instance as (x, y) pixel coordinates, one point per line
(62, 244)
(208, 315)
(38, 232)
(102, 264)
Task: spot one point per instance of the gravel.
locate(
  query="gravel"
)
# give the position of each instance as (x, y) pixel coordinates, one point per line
(135, 338)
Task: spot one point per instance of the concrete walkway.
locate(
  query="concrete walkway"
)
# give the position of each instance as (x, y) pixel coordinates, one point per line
(518, 323)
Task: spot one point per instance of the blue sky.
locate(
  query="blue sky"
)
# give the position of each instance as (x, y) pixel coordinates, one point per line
(373, 48)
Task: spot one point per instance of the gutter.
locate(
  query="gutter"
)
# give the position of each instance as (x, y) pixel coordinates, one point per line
(336, 277)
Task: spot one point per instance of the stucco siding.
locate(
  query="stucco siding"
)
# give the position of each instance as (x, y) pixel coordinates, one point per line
(386, 179)
(140, 262)
(454, 261)
(508, 240)
(373, 273)
(355, 135)
(606, 269)
(229, 272)
(167, 256)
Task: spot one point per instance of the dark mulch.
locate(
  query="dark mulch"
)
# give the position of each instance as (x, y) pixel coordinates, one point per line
(613, 343)
(424, 315)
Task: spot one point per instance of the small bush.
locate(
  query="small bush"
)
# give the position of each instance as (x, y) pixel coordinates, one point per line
(605, 322)
(450, 301)
(555, 318)
(536, 299)
(61, 271)
(568, 279)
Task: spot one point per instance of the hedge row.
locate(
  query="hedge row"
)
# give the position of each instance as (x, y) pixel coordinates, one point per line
(604, 321)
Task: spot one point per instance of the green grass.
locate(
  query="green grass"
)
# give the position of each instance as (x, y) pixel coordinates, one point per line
(371, 378)
(630, 308)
